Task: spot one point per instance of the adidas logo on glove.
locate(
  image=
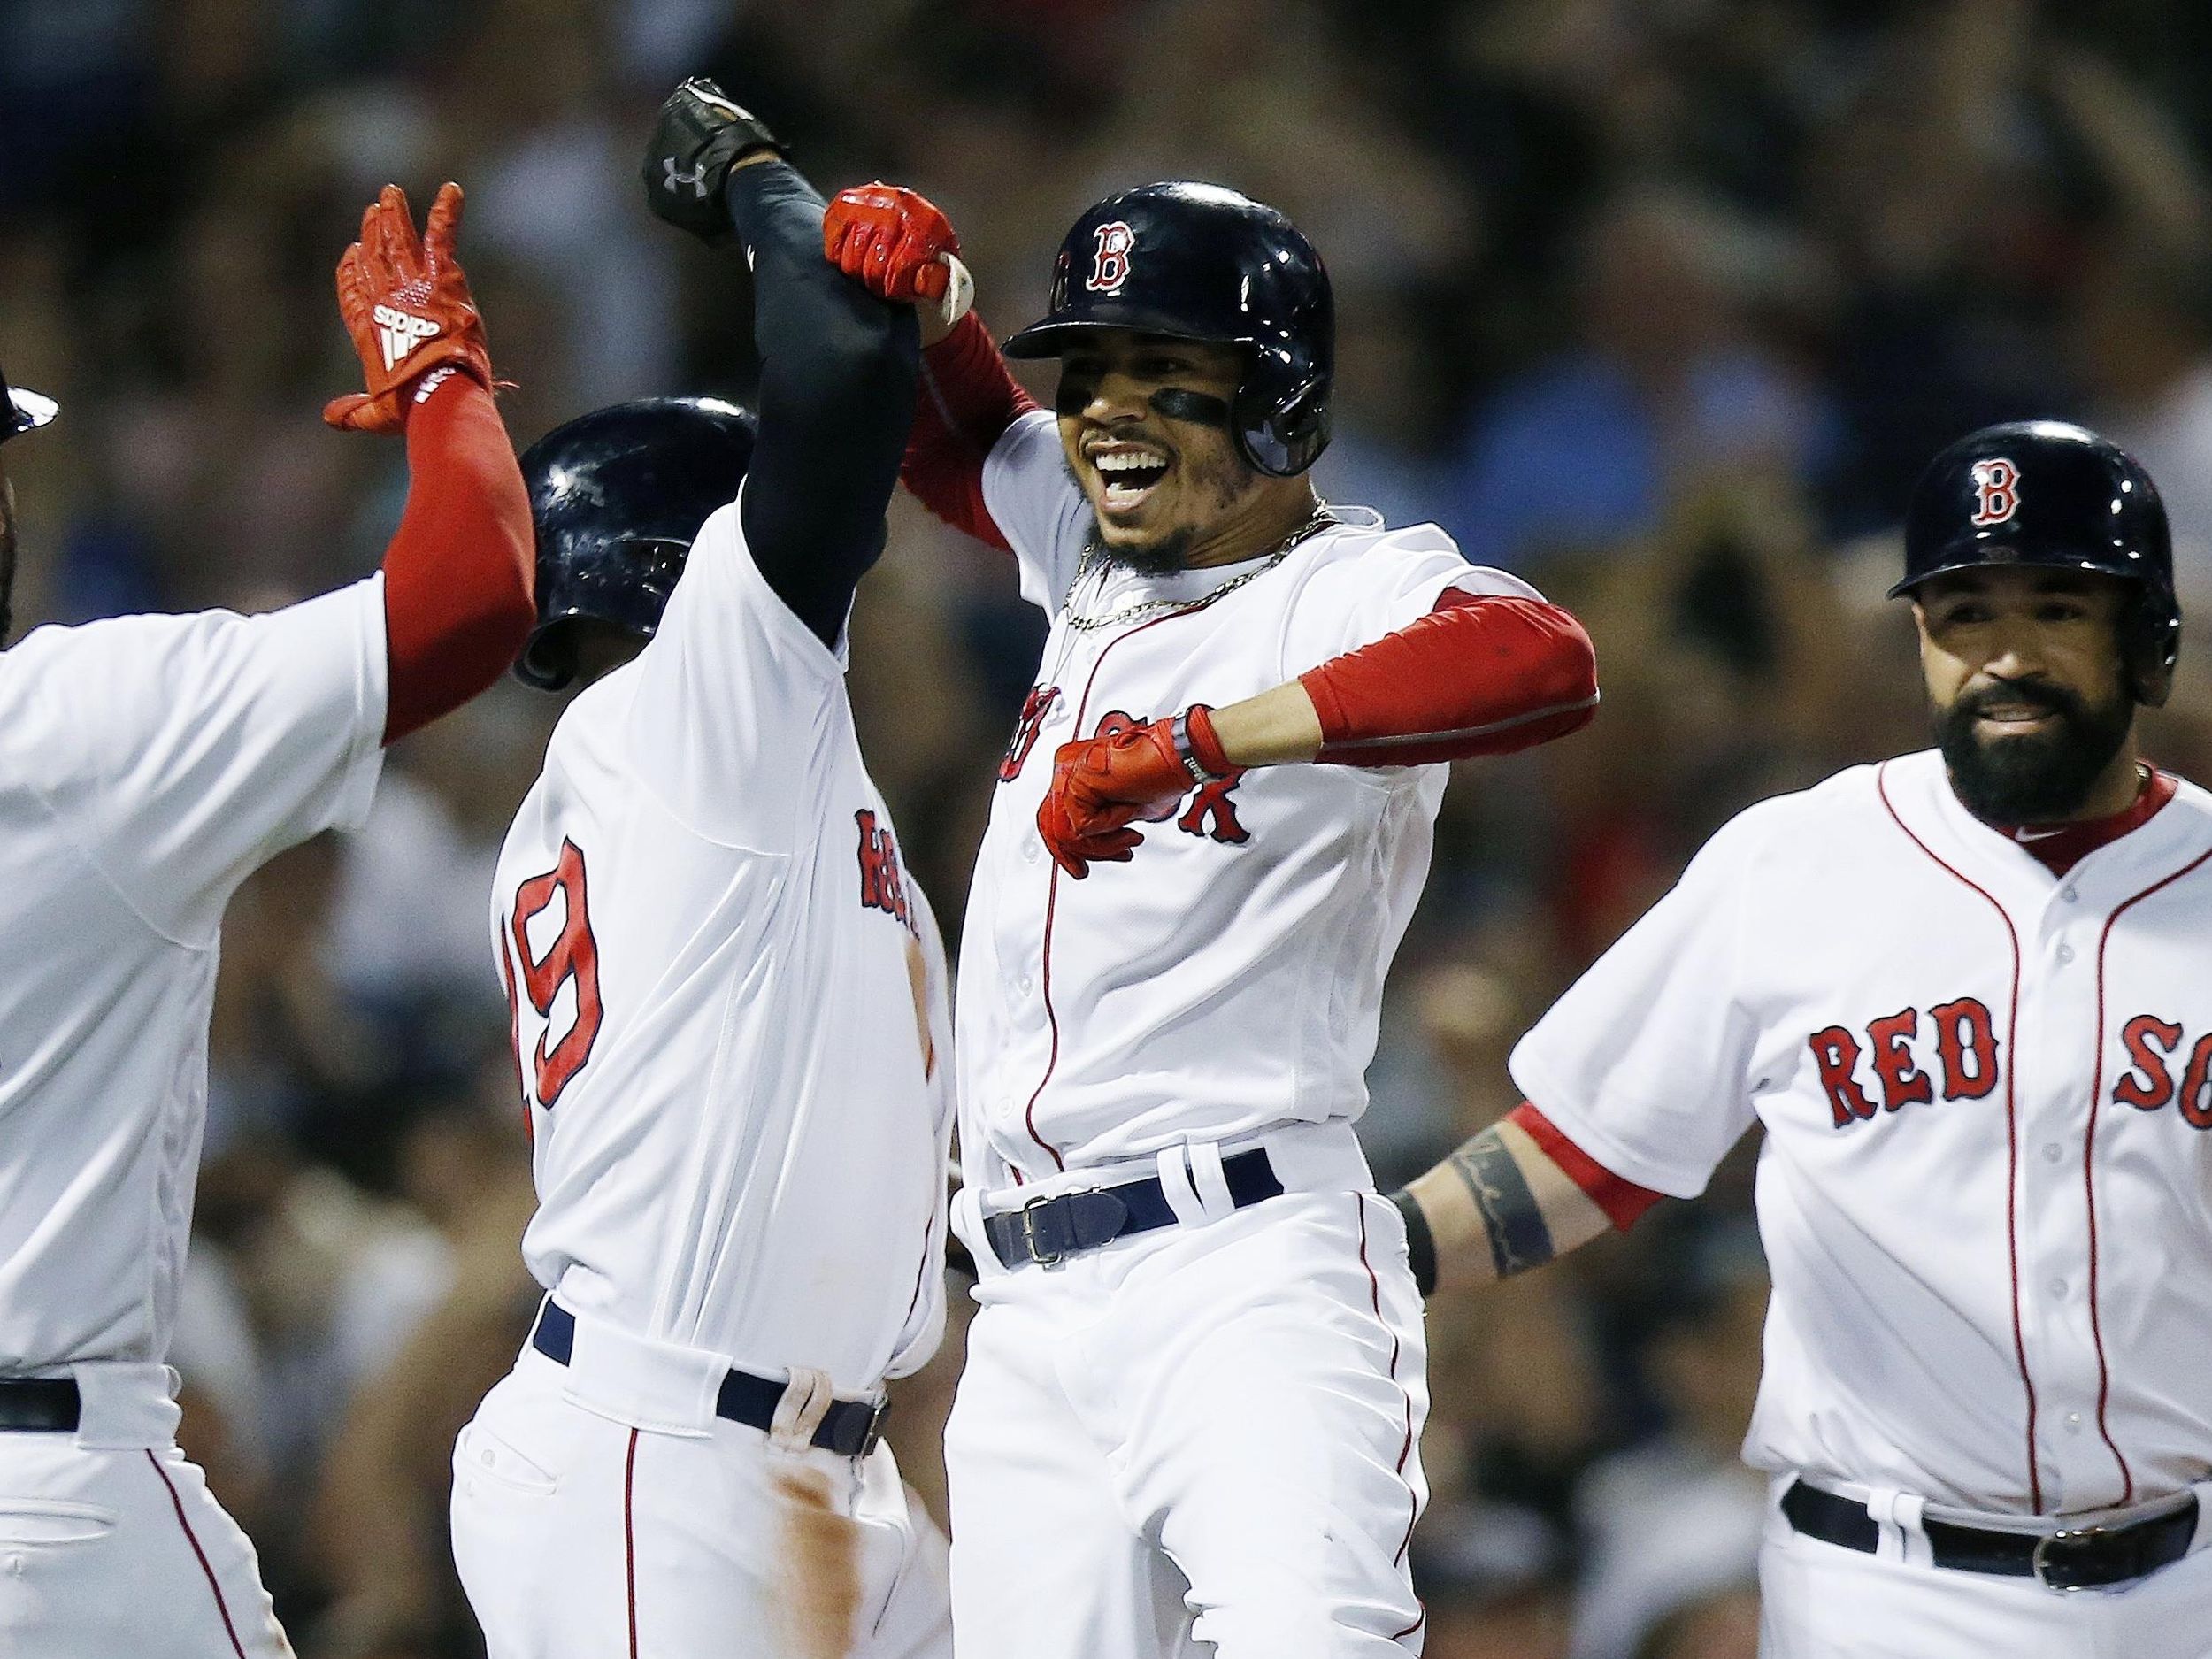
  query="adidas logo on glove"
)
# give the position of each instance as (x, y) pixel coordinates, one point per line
(400, 332)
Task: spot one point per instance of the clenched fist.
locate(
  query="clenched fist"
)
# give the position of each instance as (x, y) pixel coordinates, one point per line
(1103, 784)
(405, 301)
(895, 243)
(699, 137)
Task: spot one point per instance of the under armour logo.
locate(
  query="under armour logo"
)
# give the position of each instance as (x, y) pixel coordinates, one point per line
(399, 333)
(1110, 259)
(1997, 490)
(671, 176)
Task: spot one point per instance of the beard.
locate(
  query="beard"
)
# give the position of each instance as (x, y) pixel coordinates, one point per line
(2034, 777)
(1219, 481)
(1164, 557)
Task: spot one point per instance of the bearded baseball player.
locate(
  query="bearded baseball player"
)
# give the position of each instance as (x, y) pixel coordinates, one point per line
(1966, 994)
(1196, 1385)
(153, 763)
(730, 1006)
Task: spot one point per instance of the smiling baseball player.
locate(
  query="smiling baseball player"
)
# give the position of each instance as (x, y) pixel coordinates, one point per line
(1195, 1388)
(1968, 994)
(730, 1006)
(153, 763)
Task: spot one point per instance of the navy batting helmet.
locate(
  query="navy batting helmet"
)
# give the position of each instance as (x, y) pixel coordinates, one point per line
(2043, 492)
(20, 410)
(1199, 262)
(616, 497)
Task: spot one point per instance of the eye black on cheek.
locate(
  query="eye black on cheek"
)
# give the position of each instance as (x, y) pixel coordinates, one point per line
(1074, 394)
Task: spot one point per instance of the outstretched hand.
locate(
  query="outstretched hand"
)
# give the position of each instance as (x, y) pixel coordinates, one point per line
(405, 301)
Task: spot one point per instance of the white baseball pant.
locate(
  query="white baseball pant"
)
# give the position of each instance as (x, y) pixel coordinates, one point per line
(1820, 1601)
(1202, 1440)
(581, 1535)
(111, 1543)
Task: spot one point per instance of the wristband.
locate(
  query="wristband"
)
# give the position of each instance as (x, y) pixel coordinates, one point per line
(1420, 1242)
(1198, 747)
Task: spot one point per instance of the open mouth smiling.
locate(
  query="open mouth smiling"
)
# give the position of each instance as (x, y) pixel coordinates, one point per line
(1128, 472)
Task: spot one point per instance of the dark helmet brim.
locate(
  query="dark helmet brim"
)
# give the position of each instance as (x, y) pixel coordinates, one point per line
(1050, 338)
(1999, 556)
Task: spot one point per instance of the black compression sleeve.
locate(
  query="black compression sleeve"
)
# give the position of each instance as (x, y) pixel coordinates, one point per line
(837, 378)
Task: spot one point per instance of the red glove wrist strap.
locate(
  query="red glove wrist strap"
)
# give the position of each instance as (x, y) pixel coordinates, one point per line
(1199, 745)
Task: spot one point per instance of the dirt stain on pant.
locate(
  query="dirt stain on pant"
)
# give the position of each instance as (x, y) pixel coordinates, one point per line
(820, 1565)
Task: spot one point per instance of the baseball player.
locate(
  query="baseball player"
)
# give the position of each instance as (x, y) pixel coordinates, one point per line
(1967, 992)
(1196, 1385)
(153, 763)
(730, 1007)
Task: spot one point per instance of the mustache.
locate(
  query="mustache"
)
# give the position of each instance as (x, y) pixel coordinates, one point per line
(2037, 695)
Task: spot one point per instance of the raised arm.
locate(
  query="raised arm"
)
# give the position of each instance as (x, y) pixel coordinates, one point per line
(457, 575)
(899, 245)
(838, 367)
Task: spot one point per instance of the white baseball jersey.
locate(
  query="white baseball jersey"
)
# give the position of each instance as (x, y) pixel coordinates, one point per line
(148, 766)
(1986, 1189)
(1230, 977)
(702, 916)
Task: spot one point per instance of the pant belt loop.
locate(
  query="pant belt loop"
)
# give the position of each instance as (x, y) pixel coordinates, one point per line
(1211, 1180)
(1898, 1515)
(1175, 1185)
(806, 1401)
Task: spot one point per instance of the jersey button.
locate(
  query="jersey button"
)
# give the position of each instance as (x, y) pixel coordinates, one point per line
(1022, 984)
(2052, 1152)
(1031, 848)
(2073, 1422)
(2065, 953)
(2068, 895)
(2058, 1288)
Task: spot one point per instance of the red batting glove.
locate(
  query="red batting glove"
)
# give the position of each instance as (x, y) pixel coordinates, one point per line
(891, 241)
(1103, 784)
(406, 304)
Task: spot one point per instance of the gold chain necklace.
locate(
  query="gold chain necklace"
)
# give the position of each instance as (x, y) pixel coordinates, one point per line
(1094, 564)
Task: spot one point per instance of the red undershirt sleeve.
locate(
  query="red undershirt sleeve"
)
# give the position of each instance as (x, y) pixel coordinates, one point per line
(1480, 675)
(966, 400)
(1622, 1201)
(459, 573)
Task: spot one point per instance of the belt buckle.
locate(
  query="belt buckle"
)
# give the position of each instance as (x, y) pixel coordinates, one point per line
(875, 1427)
(1031, 1243)
(2041, 1565)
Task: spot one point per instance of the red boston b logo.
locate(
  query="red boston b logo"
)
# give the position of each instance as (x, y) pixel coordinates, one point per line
(1997, 490)
(1109, 257)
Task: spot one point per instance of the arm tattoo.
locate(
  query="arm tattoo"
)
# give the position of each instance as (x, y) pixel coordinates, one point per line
(1519, 1237)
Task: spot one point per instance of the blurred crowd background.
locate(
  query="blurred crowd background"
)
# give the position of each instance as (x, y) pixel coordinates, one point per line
(1661, 302)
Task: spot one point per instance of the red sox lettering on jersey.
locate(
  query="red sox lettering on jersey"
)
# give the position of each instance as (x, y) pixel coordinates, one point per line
(1985, 1089)
(1077, 1045)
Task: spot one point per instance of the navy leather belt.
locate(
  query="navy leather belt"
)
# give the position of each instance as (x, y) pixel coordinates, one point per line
(2072, 1558)
(38, 1404)
(1048, 1230)
(850, 1427)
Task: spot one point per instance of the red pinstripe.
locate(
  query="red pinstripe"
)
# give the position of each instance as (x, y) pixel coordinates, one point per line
(2089, 1173)
(1405, 1450)
(629, 1537)
(193, 1539)
(1052, 896)
(2012, 1131)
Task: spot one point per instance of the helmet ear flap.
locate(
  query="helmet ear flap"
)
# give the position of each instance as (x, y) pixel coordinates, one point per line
(1284, 435)
(2150, 642)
